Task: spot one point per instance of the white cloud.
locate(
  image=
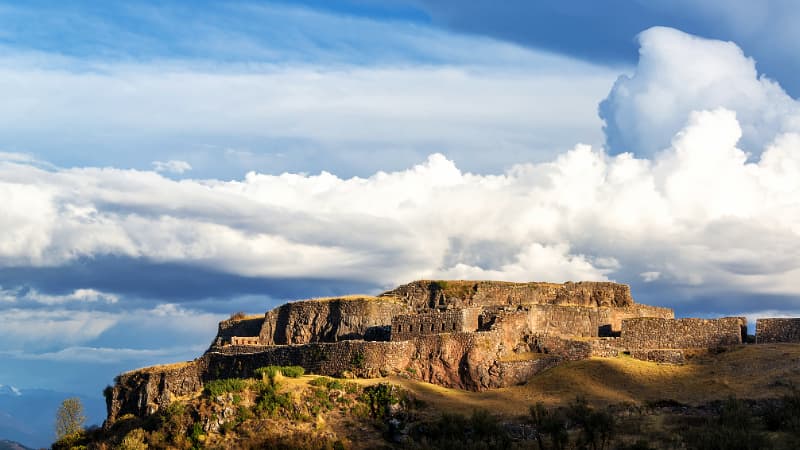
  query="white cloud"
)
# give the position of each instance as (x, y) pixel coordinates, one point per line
(78, 296)
(698, 214)
(172, 166)
(28, 328)
(679, 73)
(109, 355)
(296, 116)
(24, 328)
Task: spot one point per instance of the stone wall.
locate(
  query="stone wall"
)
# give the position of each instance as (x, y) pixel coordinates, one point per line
(571, 321)
(605, 347)
(249, 326)
(617, 315)
(409, 326)
(248, 340)
(329, 320)
(361, 358)
(656, 333)
(777, 330)
(427, 294)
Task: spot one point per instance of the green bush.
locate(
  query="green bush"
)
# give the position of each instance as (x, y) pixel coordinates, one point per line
(379, 397)
(287, 371)
(133, 440)
(327, 383)
(270, 402)
(358, 360)
(293, 371)
(215, 388)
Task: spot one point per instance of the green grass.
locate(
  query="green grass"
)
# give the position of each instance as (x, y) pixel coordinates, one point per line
(216, 388)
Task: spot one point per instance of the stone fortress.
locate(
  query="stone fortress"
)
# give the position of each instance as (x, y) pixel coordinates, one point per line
(471, 335)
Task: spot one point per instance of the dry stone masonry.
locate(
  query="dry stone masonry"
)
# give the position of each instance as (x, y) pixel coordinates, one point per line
(471, 335)
(777, 330)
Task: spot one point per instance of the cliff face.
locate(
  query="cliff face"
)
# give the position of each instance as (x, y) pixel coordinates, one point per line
(426, 294)
(329, 320)
(145, 391)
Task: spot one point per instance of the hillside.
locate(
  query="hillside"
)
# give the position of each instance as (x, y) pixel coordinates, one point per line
(644, 399)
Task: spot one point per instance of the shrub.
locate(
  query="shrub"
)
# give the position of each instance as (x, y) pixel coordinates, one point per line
(379, 397)
(326, 382)
(239, 315)
(293, 371)
(267, 372)
(216, 388)
(270, 402)
(287, 371)
(732, 428)
(597, 427)
(133, 440)
(358, 360)
(549, 424)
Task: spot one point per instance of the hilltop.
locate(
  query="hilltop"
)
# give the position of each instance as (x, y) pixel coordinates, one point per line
(662, 403)
(498, 346)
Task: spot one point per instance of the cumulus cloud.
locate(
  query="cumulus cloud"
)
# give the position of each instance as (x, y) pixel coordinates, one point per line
(697, 214)
(172, 166)
(679, 73)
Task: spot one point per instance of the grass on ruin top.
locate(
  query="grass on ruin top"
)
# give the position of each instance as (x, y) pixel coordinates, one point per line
(352, 297)
(159, 367)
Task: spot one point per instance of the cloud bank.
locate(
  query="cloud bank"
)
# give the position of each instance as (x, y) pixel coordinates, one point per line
(697, 214)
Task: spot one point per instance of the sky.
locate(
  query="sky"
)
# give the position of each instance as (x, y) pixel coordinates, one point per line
(165, 164)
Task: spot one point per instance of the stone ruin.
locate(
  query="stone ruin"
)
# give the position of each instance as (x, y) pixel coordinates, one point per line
(470, 335)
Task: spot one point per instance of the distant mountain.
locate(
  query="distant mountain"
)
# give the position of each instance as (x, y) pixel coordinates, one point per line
(28, 415)
(11, 445)
(9, 390)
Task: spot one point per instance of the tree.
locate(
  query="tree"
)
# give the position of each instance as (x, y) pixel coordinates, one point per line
(69, 418)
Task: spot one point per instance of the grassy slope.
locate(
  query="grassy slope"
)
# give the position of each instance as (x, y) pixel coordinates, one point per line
(746, 371)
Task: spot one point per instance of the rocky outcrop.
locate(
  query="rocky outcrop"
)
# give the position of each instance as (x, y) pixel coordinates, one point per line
(330, 320)
(473, 335)
(145, 391)
(426, 294)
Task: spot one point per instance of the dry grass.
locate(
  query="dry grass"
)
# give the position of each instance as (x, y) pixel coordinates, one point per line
(348, 298)
(246, 317)
(159, 367)
(760, 371)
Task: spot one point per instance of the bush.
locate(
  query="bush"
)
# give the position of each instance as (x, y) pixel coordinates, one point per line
(379, 397)
(597, 427)
(549, 424)
(287, 371)
(293, 371)
(358, 360)
(327, 383)
(733, 428)
(216, 388)
(133, 440)
(454, 431)
(239, 315)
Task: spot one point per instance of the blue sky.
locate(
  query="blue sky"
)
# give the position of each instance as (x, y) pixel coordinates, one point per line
(163, 164)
